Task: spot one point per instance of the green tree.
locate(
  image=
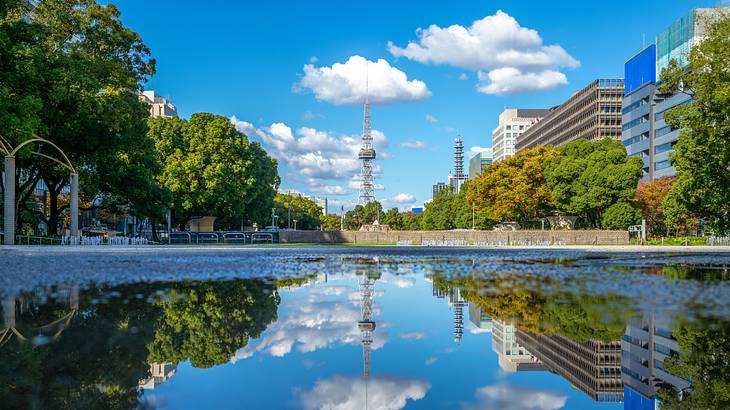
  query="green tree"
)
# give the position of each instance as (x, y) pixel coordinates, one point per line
(412, 221)
(330, 223)
(620, 215)
(206, 322)
(514, 189)
(702, 154)
(588, 177)
(363, 215)
(212, 169)
(89, 68)
(393, 219)
(298, 208)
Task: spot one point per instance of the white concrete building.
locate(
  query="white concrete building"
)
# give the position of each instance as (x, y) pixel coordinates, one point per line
(159, 106)
(512, 123)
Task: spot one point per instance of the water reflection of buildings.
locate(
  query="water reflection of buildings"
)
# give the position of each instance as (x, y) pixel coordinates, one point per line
(512, 356)
(644, 347)
(593, 367)
(457, 303)
(159, 373)
(480, 319)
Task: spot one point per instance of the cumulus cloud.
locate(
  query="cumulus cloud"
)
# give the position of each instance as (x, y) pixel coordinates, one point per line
(463, 77)
(404, 198)
(348, 83)
(319, 158)
(341, 393)
(431, 360)
(317, 318)
(430, 118)
(505, 396)
(509, 58)
(413, 144)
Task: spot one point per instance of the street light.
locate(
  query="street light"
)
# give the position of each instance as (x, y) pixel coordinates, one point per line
(473, 225)
(288, 216)
(295, 224)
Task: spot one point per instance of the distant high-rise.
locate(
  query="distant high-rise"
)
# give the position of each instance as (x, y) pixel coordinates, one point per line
(159, 107)
(437, 187)
(478, 162)
(458, 177)
(513, 122)
(592, 113)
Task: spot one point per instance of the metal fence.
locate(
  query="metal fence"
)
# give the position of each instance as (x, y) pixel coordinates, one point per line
(718, 240)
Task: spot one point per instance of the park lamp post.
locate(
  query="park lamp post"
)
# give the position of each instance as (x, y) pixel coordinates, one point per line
(288, 215)
(9, 211)
(295, 224)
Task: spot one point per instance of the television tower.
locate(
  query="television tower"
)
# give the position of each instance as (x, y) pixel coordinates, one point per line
(367, 153)
(459, 177)
(366, 324)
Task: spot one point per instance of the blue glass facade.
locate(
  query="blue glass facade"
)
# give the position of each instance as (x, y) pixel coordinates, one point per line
(640, 69)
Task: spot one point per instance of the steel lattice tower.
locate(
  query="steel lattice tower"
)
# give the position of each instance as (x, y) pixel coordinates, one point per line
(366, 324)
(366, 155)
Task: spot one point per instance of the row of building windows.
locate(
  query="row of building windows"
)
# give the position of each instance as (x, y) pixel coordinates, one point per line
(663, 148)
(636, 138)
(660, 115)
(635, 122)
(662, 165)
(522, 127)
(665, 130)
(635, 105)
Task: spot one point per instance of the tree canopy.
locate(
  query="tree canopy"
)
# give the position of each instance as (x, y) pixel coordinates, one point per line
(212, 169)
(304, 211)
(514, 189)
(587, 178)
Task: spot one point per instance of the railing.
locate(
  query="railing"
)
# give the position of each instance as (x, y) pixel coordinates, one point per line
(180, 237)
(262, 238)
(36, 240)
(234, 237)
(718, 240)
(101, 240)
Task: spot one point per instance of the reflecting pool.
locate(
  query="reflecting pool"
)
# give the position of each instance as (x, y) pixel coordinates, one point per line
(356, 328)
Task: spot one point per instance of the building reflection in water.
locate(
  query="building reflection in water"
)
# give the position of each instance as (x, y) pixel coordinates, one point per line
(593, 367)
(644, 348)
(512, 356)
(159, 373)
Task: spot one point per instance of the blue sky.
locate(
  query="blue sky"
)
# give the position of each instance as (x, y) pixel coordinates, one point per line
(270, 65)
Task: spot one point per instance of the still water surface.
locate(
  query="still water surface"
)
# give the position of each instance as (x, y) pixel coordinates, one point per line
(369, 328)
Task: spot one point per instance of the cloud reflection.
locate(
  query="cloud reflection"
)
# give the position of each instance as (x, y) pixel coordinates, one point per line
(342, 393)
(509, 397)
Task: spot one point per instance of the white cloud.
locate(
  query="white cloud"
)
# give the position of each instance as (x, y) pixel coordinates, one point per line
(341, 393)
(463, 77)
(412, 336)
(317, 319)
(308, 116)
(313, 60)
(510, 80)
(404, 198)
(510, 58)
(476, 150)
(431, 360)
(508, 397)
(345, 83)
(413, 144)
(316, 157)
(430, 118)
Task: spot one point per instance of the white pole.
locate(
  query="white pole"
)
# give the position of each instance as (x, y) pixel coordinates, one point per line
(74, 204)
(9, 200)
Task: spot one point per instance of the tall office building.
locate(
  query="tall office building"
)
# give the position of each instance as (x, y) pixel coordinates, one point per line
(645, 133)
(512, 357)
(513, 122)
(592, 113)
(593, 367)
(437, 187)
(478, 162)
(159, 106)
(644, 348)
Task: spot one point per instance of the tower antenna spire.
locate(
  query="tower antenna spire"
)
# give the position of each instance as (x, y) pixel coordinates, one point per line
(367, 152)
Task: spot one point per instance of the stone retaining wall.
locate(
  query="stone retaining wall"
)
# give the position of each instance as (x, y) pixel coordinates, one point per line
(469, 237)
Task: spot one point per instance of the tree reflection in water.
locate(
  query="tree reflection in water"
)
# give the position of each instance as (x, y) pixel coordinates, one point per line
(106, 351)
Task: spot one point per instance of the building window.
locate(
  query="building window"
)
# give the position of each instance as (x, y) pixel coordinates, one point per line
(663, 148)
(509, 127)
(635, 122)
(662, 165)
(664, 131)
(522, 127)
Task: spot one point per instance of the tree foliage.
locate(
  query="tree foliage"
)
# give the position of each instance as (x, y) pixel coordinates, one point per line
(297, 208)
(212, 169)
(649, 199)
(364, 215)
(514, 189)
(450, 210)
(702, 154)
(589, 177)
(207, 322)
(330, 223)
